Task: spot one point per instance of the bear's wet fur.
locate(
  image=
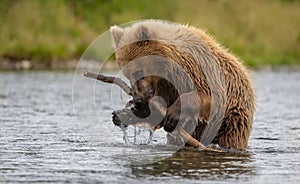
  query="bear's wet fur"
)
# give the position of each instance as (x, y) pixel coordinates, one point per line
(212, 76)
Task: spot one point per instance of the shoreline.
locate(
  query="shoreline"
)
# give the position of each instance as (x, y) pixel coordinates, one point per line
(66, 65)
(30, 65)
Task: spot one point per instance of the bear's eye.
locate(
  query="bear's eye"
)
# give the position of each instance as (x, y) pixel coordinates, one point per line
(151, 92)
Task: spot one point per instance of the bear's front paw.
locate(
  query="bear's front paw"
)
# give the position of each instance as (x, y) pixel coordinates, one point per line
(184, 108)
(171, 119)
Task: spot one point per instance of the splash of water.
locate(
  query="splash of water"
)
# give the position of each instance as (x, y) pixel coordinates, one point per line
(138, 134)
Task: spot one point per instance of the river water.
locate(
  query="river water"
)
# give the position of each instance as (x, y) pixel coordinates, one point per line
(50, 134)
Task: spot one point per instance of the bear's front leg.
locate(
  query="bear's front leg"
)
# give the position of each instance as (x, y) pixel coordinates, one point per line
(192, 105)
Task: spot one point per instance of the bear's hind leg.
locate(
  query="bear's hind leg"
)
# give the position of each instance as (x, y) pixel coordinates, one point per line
(234, 133)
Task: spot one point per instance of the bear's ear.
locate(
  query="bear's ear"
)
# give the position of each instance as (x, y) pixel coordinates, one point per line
(116, 33)
(143, 33)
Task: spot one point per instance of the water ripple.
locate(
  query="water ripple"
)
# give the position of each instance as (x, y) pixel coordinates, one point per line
(42, 141)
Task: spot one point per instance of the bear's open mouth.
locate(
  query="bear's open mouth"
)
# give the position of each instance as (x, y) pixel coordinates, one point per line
(141, 109)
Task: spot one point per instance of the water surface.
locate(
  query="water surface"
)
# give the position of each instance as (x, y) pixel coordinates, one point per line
(43, 140)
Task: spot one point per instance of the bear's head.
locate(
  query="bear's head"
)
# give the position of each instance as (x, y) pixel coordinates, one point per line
(149, 56)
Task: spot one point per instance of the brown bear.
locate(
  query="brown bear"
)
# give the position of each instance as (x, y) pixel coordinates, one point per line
(201, 83)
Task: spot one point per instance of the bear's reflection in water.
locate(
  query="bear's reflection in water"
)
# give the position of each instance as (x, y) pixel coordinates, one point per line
(190, 164)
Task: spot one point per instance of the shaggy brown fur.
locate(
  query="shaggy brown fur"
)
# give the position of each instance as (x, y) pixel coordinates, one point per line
(209, 70)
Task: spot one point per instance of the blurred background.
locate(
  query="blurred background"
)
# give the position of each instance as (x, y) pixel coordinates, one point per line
(38, 34)
(55, 124)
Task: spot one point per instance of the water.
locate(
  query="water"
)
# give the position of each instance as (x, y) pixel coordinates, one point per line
(138, 135)
(41, 141)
